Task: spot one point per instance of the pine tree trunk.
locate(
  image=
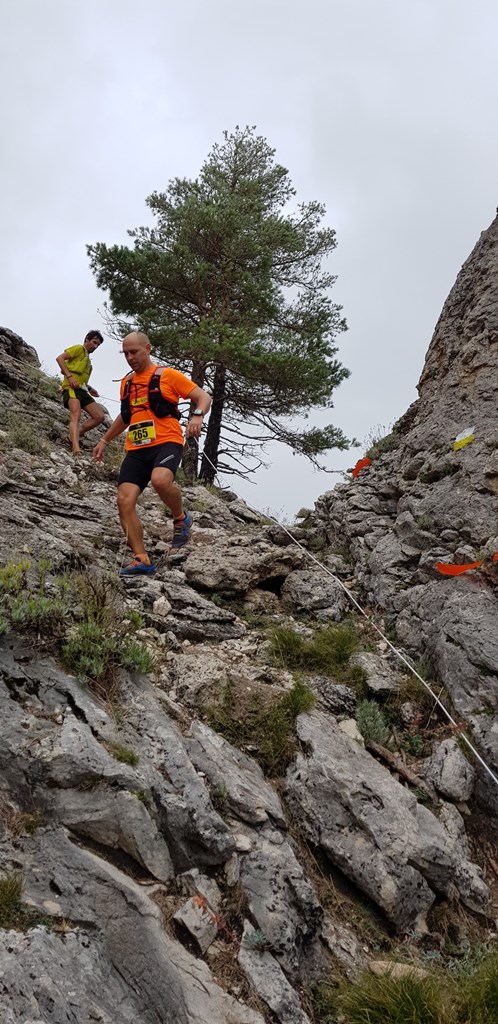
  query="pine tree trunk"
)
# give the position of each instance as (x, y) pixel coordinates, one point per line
(212, 442)
(191, 450)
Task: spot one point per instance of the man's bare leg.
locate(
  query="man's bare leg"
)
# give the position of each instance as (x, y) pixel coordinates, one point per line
(74, 424)
(96, 414)
(169, 492)
(128, 495)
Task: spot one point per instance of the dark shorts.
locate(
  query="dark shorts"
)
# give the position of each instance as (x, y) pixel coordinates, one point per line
(137, 467)
(83, 397)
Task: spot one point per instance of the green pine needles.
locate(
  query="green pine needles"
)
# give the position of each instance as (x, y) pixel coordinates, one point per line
(230, 286)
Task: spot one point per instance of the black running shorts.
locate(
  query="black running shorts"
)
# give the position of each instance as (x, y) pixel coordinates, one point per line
(84, 398)
(137, 467)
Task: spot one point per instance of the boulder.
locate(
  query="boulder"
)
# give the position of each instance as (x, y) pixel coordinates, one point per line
(241, 564)
(451, 772)
(311, 590)
(269, 981)
(373, 829)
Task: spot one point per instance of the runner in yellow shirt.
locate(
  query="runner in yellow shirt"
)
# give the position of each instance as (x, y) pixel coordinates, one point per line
(77, 394)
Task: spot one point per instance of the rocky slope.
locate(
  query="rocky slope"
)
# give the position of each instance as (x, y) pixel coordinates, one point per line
(420, 503)
(149, 868)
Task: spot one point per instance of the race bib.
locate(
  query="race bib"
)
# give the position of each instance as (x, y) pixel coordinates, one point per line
(142, 433)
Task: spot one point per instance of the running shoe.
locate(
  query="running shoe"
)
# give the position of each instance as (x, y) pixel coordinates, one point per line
(137, 568)
(181, 531)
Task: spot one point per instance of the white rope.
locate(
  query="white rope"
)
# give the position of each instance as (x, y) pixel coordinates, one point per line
(399, 654)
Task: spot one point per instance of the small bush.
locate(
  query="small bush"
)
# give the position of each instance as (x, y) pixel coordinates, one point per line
(23, 603)
(387, 1000)
(135, 657)
(89, 652)
(13, 577)
(371, 722)
(256, 941)
(38, 613)
(95, 651)
(135, 619)
(123, 754)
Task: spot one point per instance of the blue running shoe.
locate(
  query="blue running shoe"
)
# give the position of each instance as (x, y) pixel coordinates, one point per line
(181, 531)
(137, 568)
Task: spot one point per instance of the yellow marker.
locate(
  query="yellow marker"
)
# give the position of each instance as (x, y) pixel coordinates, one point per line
(466, 437)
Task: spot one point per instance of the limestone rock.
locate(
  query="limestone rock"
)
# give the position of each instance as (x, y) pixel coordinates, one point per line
(199, 914)
(270, 982)
(281, 898)
(373, 829)
(344, 945)
(310, 590)
(237, 776)
(126, 925)
(237, 567)
(451, 772)
(380, 676)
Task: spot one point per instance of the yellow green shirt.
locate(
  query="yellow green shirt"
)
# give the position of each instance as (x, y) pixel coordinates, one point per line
(78, 364)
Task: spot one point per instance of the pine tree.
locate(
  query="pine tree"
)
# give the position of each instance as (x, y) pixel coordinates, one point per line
(230, 288)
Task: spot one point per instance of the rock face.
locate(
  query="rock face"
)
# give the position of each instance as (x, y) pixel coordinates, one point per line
(373, 828)
(421, 502)
(159, 875)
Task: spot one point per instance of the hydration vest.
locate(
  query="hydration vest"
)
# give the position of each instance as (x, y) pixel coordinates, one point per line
(157, 404)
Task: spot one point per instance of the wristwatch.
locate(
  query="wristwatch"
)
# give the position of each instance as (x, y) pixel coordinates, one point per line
(197, 412)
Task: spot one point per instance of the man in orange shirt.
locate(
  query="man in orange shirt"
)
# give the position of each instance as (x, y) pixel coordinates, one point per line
(154, 444)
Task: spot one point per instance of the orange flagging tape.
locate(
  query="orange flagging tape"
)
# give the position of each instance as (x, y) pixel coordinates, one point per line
(447, 569)
(360, 465)
(455, 570)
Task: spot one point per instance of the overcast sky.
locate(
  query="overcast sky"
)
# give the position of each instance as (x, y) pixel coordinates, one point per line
(385, 110)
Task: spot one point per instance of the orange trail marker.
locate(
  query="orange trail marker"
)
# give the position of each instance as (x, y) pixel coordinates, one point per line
(447, 569)
(360, 465)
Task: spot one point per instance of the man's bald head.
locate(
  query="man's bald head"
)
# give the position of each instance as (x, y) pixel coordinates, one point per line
(136, 350)
(136, 338)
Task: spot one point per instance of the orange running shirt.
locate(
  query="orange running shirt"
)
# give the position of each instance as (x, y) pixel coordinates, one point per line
(145, 429)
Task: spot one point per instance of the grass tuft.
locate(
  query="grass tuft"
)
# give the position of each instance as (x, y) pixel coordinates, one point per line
(10, 899)
(327, 652)
(388, 1000)
(267, 730)
(124, 754)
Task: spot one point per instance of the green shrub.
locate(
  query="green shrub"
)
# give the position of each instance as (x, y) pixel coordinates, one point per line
(38, 613)
(23, 603)
(13, 576)
(89, 653)
(371, 722)
(135, 619)
(269, 730)
(135, 657)
(387, 1000)
(95, 651)
(256, 941)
